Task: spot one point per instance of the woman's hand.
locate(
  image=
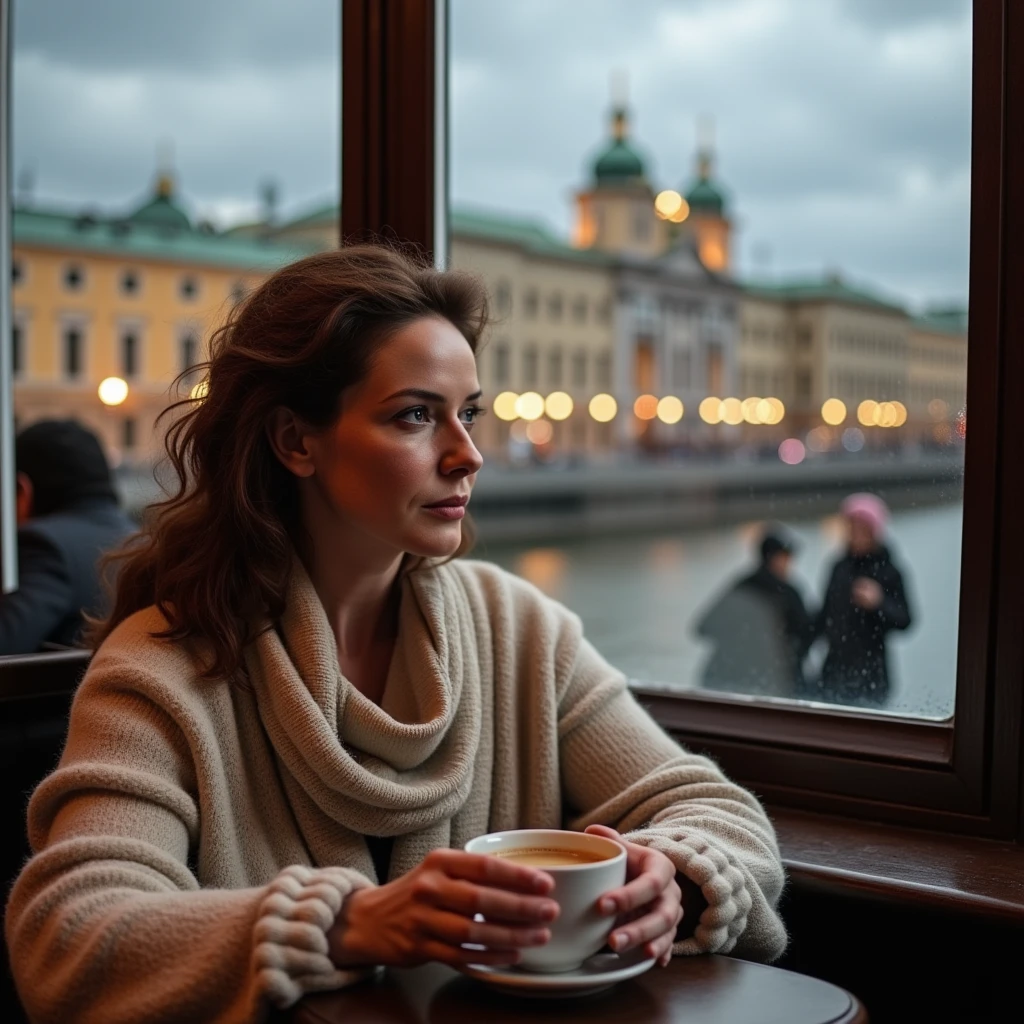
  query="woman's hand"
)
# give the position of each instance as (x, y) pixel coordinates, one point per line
(867, 593)
(649, 906)
(428, 914)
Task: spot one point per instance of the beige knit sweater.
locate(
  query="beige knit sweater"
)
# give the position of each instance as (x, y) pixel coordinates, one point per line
(198, 839)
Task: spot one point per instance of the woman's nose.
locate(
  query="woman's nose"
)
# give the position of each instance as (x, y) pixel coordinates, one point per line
(464, 455)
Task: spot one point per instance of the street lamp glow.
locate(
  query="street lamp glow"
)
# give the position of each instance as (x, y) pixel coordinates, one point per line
(833, 412)
(670, 409)
(867, 413)
(603, 408)
(113, 390)
(732, 411)
(710, 410)
(558, 405)
(530, 406)
(750, 410)
(645, 407)
(901, 414)
(539, 432)
(670, 205)
(777, 411)
(505, 406)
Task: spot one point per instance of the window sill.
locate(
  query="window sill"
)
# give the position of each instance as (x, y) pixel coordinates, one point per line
(977, 877)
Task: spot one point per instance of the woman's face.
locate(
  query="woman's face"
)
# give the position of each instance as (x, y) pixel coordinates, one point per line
(862, 537)
(400, 449)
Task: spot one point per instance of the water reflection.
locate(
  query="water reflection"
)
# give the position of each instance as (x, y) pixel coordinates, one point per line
(642, 597)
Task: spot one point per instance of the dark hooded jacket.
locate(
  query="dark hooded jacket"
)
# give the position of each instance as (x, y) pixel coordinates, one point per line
(856, 669)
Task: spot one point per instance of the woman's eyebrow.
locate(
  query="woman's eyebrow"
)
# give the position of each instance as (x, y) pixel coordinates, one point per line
(426, 396)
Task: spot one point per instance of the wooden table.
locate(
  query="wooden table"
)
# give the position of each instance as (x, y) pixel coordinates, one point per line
(691, 990)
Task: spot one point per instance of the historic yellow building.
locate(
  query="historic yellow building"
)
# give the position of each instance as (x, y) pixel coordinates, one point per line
(133, 297)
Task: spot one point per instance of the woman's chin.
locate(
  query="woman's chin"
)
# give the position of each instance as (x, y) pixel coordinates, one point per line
(441, 541)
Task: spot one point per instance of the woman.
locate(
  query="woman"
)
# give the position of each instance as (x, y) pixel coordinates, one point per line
(302, 707)
(864, 601)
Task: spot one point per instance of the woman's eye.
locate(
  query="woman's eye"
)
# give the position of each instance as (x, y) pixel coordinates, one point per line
(472, 414)
(418, 414)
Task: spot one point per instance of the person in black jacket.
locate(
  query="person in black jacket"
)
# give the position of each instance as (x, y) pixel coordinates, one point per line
(760, 628)
(68, 515)
(865, 600)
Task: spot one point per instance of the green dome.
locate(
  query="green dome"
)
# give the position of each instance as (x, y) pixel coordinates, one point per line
(161, 211)
(619, 163)
(704, 196)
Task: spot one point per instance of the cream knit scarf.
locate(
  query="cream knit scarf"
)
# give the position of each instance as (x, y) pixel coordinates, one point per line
(404, 769)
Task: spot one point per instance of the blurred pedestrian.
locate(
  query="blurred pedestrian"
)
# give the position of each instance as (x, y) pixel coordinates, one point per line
(68, 515)
(760, 627)
(865, 600)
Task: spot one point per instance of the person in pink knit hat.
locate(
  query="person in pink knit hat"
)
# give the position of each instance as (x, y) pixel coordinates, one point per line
(865, 600)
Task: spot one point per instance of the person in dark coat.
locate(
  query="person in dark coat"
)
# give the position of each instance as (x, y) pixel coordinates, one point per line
(68, 515)
(760, 628)
(865, 601)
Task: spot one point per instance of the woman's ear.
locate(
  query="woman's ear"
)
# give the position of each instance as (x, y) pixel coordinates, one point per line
(289, 438)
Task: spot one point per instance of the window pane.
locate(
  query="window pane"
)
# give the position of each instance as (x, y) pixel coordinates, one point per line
(166, 158)
(765, 203)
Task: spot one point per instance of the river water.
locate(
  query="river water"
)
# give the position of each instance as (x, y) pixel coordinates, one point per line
(639, 596)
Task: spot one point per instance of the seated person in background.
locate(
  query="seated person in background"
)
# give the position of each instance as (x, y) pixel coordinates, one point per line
(304, 703)
(760, 629)
(865, 600)
(68, 516)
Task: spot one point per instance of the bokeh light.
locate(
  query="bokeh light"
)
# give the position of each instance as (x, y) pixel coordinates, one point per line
(505, 406)
(732, 411)
(764, 411)
(867, 413)
(530, 406)
(645, 407)
(670, 409)
(200, 391)
(518, 431)
(960, 424)
(819, 439)
(670, 205)
(901, 414)
(853, 439)
(792, 451)
(558, 405)
(710, 410)
(886, 414)
(539, 431)
(833, 412)
(777, 411)
(603, 408)
(112, 390)
(938, 409)
(749, 409)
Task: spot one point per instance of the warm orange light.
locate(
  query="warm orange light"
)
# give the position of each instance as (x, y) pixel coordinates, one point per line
(529, 406)
(732, 411)
(901, 414)
(833, 412)
(670, 409)
(200, 391)
(749, 409)
(558, 405)
(540, 431)
(645, 407)
(867, 413)
(777, 411)
(505, 406)
(603, 408)
(886, 415)
(113, 390)
(667, 204)
(710, 410)
(765, 411)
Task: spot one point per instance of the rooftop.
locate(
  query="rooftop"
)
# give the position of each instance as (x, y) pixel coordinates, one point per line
(829, 288)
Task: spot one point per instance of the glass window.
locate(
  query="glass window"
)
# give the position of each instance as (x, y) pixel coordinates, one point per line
(72, 351)
(555, 306)
(503, 298)
(146, 195)
(501, 365)
(530, 304)
(17, 343)
(74, 277)
(128, 434)
(555, 368)
(579, 309)
(836, 579)
(530, 366)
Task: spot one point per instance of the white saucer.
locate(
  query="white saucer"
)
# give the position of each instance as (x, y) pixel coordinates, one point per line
(601, 971)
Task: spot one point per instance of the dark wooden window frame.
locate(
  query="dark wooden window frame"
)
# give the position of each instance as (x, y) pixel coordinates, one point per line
(964, 775)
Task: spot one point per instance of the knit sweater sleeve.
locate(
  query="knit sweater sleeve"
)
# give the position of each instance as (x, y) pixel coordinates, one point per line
(620, 769)
(108, 922)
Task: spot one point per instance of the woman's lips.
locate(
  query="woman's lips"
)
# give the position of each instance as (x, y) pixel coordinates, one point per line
(446, 511)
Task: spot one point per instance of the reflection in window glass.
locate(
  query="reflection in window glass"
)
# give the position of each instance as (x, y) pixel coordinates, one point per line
(783, 406)
(165, 163)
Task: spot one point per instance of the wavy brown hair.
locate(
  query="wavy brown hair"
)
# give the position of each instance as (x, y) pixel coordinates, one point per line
(215, 556)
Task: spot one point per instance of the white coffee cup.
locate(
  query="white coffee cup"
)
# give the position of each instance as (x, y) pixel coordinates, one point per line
(580, 930)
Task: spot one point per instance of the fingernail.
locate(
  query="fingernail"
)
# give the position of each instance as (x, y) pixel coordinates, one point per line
(607, 906)
(550, 911)
(617, 942)
(539, 937)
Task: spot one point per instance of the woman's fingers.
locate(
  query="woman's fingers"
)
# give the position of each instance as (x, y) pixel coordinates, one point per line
(459, 956)
(659, 923)
(653, 874)
(490, 871)
(468, 899)
(456, 930)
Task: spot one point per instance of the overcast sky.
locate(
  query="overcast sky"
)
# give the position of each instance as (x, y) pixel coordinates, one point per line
(841, 127)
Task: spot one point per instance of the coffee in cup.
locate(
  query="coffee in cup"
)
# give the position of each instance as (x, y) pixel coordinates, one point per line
(584, 867)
